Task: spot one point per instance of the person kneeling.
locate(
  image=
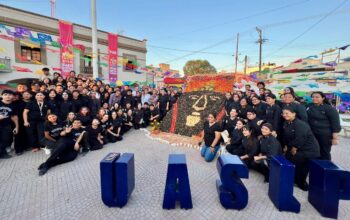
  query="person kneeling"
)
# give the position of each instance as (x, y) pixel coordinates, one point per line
(211, 136)
(67, 148)
(269, 146)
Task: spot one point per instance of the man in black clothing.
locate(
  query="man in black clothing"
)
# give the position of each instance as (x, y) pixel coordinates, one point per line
(273, 113)
(8, 114)
(254, 122)
(154, 116)
(146, 114)
(163, 104)
(76, 101)
(68, 147)
(127, 98)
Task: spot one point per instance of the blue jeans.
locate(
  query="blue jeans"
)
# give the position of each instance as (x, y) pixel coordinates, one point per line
(209, 156)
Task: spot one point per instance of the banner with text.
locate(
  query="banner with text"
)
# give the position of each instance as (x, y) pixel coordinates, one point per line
(66, 52)
(113, 57)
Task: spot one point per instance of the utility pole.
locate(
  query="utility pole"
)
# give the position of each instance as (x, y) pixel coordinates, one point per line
(53, 8)
(237, 52)
(245, 64)
(94, 40)
(260, 41)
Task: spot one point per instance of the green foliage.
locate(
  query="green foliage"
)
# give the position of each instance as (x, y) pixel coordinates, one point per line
(194, 67)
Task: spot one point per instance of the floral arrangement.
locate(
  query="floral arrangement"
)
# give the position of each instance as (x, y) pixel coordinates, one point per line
(155, 126)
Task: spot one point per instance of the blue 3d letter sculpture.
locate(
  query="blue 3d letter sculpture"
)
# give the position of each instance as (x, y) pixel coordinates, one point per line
(117, 178)
(232, 192)
(281, 182)
(328, 184)
(177, 186)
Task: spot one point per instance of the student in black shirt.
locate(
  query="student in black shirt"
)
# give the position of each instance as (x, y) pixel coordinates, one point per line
(172, 99)
(154, 116)
(228, 103)
(229, 122)
(115, 130)
(244, 107)
(95, 139)
(67, 149)
(236, 137)
(76, 101)
(259, 107)
(254, 122)
(146, 114)
(163, 104)
(273, 113)
(236, 101)
(324, 122)
(34, 116)
(52, 131)
(94, 104)
(53, 102)
(105, 126)
(300, 145)
(128, 123)
(268, 146)
(66, 106)
(300, 110)
(138, 117)
(211, 136)
(249, 147)
(8, 115)
(21, 140)
(84, 117)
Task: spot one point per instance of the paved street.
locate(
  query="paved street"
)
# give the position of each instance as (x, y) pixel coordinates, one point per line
(72, 191)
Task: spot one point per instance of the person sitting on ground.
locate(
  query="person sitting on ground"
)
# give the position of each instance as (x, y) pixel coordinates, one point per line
(95, 138)
(138, 117)
(68, 149)
(269, 146)
(154, 113)
(236, 137)
(115, 130)
(52, 131)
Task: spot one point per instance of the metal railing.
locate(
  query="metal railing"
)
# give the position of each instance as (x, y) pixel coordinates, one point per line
(87, 70)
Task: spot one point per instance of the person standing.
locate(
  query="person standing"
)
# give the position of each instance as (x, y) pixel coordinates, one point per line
(324, 122)
(34, 116)
(163, 103)
(8, 114)
(300, 146)
(273, 113)
(21, 138)
(300, 110)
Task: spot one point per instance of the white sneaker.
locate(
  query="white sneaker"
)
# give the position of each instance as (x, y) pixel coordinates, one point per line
(47, 151)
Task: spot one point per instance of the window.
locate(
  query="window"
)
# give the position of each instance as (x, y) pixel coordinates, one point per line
(87, 61)
(31, 54)
(131, 62)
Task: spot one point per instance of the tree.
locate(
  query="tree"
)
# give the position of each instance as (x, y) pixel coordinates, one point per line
(194, 67)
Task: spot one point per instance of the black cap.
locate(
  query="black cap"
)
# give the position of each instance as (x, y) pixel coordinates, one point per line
(7, 91)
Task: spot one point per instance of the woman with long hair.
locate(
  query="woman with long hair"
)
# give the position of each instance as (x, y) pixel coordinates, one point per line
(70, 118)
(95, 139)
(115, 130)
(84, 116)
(249, 147)
(324, 122)
(211, 135)
(236, 137)
(52, 130)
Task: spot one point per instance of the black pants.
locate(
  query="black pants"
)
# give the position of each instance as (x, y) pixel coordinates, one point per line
(114, 139)
(94, 143)
(162, 114)
(301, 163)
(6, 136)
(232, 149)
(21, 140)
(35, 133)
(63, 153)
(48, 143)
(325, 142)
(262, 168)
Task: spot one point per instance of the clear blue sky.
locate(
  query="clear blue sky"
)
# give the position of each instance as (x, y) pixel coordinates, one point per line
(294, 28)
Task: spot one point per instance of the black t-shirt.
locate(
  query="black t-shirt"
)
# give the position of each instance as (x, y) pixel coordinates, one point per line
(75, 133)
(7, 110)
(93, 133)
(54, 130)
(85, 120)
(163, 101)
(154, 112)
(35, 113)
(209, 132)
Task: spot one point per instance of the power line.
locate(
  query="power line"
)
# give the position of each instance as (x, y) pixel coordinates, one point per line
(309, 28)
(240, 19)
(180, 50)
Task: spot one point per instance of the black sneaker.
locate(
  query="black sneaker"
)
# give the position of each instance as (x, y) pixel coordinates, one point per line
(19, 153)
(5, 156)
(41, 166)
(43, 170)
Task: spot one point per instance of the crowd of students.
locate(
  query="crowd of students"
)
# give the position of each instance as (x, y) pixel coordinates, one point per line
(75, 115)
(258, 126)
